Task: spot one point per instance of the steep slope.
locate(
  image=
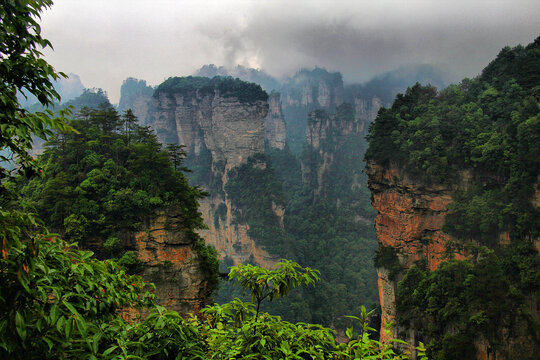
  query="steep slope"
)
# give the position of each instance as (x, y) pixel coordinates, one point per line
(454, 179)
(220, 122)
(275, 133)
(135, 95)
(116, 193)
(304, 92)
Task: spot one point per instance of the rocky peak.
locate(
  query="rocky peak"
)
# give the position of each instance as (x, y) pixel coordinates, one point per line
(223, 115)
(306, 91)
(274, 124)
(172, 261)
(135, 95)
(221, 122)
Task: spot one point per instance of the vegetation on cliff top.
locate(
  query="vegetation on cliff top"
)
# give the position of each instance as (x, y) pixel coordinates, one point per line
(489, 127)
(109, 179)
(227, 87)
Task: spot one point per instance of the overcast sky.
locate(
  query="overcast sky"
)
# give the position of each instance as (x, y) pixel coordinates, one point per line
(106, 41)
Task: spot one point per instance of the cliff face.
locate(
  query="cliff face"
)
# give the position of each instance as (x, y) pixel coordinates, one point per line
(220, 132)
(366, 110)
(171, 260)
(137, 96)
(304, 92)
(274, 124)
(334, 143)
(230, 129)
(409, 219)
(230, 238)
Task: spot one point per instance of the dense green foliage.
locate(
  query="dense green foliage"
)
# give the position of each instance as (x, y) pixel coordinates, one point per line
(109, 179)
(226, 86)
(486, 130)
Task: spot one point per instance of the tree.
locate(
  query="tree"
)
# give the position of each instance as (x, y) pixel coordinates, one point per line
(272, 284)
(23, 71)
(129, 121)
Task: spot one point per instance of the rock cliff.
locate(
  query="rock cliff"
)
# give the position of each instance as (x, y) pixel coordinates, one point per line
(172, 261)
(306, 91)
(221, 123)
(409, 221)
(230, 128)
(274, 124)
(135, 95)
(335, 145)
(366, 111)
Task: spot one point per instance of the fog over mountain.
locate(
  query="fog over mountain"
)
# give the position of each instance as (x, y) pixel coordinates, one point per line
(106, 41)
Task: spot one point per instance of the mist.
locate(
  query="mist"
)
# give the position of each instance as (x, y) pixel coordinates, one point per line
(104, 42)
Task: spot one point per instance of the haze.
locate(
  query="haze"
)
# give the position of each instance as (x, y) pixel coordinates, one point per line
(106, 41)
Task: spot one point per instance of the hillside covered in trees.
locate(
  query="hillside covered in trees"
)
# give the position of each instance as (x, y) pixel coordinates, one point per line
(483, 133)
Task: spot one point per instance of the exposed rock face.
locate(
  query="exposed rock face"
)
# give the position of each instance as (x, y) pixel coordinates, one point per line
(366, 110)
(274, 126)
(317, 87)
(306, 91)
(410, 216)
(137, 96)
(230, 129)
(172, 262)
(409, 219)
(219, 132)
(326, 136)
(230, 238)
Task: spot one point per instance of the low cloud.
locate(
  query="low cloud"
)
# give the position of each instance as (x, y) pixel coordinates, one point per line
(106, 41)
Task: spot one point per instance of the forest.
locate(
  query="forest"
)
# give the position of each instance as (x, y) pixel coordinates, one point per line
(488, 126)
(71, 284)
(58, 301)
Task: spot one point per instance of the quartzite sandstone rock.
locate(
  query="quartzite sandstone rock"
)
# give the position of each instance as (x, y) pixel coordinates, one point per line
(274, 125)
(410, 215)
(171, 261)
(231, 130)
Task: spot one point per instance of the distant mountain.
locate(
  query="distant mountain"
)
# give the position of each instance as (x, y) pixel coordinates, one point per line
(90, 98)
(387, 85)
(135, 94)
(68, 88)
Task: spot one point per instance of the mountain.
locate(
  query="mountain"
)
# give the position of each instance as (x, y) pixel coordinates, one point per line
(454, 177)
(111, 188)
(68, 88)
(285, 176)
(135, 95)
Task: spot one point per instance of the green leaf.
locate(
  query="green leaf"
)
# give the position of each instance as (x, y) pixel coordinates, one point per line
(110, 350)
(20, 325)
(70, 307)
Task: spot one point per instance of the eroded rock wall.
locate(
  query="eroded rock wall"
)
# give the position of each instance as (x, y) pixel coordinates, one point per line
(219, 133)
(171, 260)
(275, 133)
(230, 129)
(410, 215)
